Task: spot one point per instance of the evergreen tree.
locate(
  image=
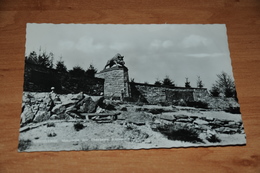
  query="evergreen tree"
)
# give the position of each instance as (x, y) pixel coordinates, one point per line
(157, 82)
(187, 83)
(168, 81)
(43, 59)
(77, 71)
(214, 91)
(199, 83)
(60, 66)
(91, 71)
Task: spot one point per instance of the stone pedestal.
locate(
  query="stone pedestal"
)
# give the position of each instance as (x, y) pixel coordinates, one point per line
(116, 82)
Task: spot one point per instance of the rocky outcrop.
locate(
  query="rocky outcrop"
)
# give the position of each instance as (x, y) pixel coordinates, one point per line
(39, 107)
(205, 123)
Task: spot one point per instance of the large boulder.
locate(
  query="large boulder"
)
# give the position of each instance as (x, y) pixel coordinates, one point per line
(28, 114)
(58, 109)
(87, 105)
(42, 116)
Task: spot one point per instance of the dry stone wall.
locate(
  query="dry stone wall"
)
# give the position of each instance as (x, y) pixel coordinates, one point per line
(154, 94)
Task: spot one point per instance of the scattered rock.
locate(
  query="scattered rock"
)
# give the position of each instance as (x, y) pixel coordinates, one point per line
(51, 134)
(123, 109)
(76, 143)
(200, 122)
(194, 117)
(228, 130)
(155, 111)
(209, 119)
(140, 123)
(189, 120)
(79, 96)
(218, 122)
(148, 142)
(167, 117)
(181, 116)
(100, 110)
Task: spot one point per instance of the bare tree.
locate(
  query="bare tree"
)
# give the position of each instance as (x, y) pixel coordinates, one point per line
(224, 85)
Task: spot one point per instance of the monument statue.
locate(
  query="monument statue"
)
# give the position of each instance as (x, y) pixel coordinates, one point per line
(116, 60)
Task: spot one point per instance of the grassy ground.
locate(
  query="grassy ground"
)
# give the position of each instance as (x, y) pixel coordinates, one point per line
(122, 134)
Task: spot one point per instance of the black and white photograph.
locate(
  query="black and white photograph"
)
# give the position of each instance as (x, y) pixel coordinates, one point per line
(128, 86)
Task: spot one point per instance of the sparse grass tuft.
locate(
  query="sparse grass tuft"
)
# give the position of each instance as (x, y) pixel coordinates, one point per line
(213, 138)
(24, 144)
(51, 134)
(115, 147)
(88, 147)
(50, 124)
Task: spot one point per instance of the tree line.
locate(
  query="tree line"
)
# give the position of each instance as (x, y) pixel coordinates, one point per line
(223, 86)
(46, 60)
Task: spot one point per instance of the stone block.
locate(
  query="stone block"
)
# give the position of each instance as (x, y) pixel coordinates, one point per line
(200, 122)
(181, 116)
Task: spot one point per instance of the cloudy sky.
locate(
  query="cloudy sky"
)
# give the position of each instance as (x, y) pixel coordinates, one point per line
(150, 51)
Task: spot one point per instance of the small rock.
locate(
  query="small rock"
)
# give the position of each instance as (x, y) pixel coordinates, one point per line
(190, 120)
(209, 119)
(167, 117)
(194, 116)
(148, 142)
(140, 123)
(123, 109)
(200, 122)
(100, 110)
(76, 143)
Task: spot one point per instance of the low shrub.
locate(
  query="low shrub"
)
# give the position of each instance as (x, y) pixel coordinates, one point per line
(78, 126)
(180, 133)
(233, 110)
(24, 144)
(197, 104)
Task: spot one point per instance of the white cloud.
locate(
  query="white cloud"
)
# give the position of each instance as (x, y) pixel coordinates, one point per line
(203, 55)
(66, 45)
(119, 46)
(167, 44)
(86, 44)
(156, 44)
(195, 41)
(161, 44)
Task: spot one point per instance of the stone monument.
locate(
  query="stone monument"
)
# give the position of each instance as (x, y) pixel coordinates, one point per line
(116, 78)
